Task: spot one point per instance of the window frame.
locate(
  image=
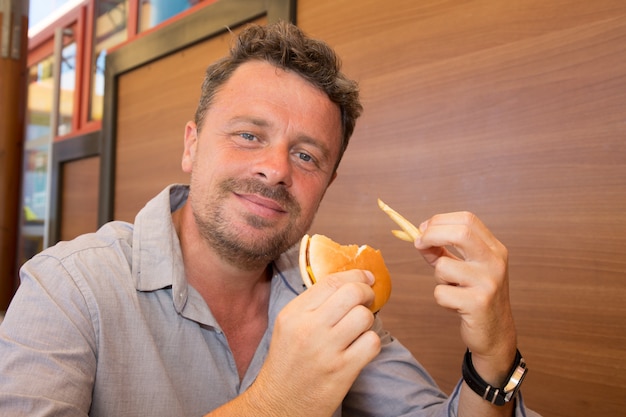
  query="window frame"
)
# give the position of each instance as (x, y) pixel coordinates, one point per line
(41, 46)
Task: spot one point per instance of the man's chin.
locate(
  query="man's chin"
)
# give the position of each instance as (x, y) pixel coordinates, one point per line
(252, 248)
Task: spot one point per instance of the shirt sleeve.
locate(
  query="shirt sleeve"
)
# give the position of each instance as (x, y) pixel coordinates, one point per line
(395, 384)
(47, 345)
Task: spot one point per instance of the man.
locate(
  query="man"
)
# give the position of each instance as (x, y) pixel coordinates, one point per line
(198, 307)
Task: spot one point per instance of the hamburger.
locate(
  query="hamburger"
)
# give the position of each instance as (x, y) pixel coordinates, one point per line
(321, 256)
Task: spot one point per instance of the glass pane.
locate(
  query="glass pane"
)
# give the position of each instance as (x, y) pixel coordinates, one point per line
(38, 113)
(68, 86)
(153, 12)
(37, 138)
(110, 29)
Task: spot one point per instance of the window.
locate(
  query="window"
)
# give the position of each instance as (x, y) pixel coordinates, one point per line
(110, 29)
(153, 12)
(39, 134)
(38, 116)
(68, 88)
(94, 28)
(36, 146)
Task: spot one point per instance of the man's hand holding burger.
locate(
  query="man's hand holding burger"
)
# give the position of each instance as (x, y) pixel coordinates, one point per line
(321, 341)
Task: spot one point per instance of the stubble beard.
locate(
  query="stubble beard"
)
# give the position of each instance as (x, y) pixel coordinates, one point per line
(229, 243)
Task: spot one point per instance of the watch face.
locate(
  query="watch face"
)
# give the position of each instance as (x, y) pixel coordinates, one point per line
(515, 382)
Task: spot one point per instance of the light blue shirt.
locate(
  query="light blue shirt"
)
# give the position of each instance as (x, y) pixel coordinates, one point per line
(106, 325)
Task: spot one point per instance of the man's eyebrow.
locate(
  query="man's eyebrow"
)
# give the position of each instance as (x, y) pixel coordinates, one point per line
(317, 144)
(248, 119)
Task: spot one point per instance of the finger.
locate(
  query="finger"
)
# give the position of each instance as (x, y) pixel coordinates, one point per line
(458, 272)
(327, 285)
(334, 295)
(468, 242)
(432, 254)
(466, 300)
(354, 323)
(465, 218)
(362, 350)
(451, 297)
(343, 301)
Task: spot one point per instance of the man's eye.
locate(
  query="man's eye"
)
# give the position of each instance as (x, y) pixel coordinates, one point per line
(305, 157)
(248, 136)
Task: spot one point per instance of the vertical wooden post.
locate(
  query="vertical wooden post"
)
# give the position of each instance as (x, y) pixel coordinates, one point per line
(13, 50)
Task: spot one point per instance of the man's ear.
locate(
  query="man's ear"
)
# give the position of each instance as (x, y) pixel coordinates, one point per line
(191, 144)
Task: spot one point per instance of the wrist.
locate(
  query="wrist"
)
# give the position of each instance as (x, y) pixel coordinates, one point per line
(495, 367)
(498, 393)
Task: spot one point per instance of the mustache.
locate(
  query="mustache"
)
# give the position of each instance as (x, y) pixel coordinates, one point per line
(277, 193)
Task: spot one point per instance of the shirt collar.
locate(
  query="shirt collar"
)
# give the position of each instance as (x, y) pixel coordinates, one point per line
(157, 257)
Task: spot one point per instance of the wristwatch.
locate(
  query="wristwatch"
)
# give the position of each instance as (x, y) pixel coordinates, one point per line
(495, 395)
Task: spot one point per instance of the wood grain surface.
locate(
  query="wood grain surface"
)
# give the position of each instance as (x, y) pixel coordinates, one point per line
(79, 197)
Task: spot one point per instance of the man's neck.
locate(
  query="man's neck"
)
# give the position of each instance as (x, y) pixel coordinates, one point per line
(237, 298)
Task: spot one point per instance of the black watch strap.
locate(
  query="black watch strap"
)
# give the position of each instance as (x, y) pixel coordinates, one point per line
(495, 395)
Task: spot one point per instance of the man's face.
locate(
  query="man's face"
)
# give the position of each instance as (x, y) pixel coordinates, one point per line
(261, 163)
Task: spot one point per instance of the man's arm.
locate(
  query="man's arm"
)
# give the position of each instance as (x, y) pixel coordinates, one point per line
(47, 360)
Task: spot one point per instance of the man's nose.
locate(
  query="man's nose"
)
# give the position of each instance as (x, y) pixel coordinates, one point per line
(275, 167)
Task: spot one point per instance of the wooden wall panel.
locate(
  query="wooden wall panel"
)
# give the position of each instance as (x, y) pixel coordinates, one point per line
(515, 111)
(155, 102)
(79, 197)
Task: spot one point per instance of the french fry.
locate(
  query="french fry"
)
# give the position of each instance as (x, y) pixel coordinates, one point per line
(409, 232)
(402, 235)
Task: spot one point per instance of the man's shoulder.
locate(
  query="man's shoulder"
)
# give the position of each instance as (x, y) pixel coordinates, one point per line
(119, 235)
(114, 236)
(87, 258)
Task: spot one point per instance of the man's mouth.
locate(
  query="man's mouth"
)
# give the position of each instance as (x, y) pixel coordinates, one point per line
(260, 199)
(263, 202)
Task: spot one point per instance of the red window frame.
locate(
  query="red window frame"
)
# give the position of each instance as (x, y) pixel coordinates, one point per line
(81, 19)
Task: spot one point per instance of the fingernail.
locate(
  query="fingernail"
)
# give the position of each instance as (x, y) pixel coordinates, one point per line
(370, 277)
